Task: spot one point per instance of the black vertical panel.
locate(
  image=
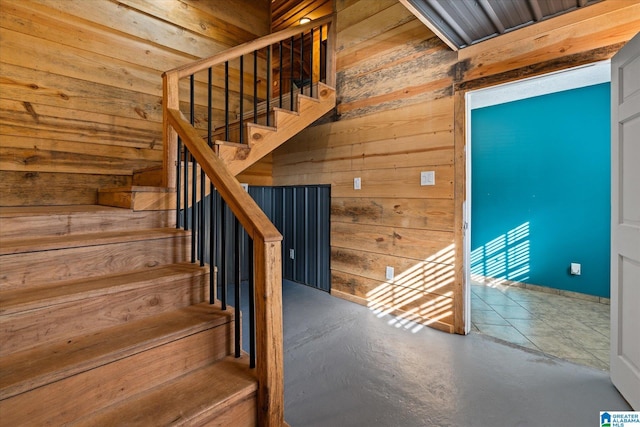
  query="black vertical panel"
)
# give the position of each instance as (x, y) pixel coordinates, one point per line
(312, 230)
(300, 231)
(302, 215)
(324, 241)
(288, 231)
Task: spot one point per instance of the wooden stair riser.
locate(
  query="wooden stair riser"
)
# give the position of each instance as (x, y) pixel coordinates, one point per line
(138, 198)
(152, 198)
(34, 269)
(74, 397)
(56, 221)
(26, 329)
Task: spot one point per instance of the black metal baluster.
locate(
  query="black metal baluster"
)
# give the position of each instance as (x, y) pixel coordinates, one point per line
(238, 278)
(185, 193)
(226, 100)
(194, 224)
(178, 167)
(255, 86)
(212, 244)
(223, 253)
(301, 63)
(291, 72)
(241, 100)
(212, 225)
(322, 57)
(311, 66)
(268, 85)
(252, 308)
(280, 76)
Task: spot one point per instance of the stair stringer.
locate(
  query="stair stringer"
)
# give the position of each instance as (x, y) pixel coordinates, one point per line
(263, 139)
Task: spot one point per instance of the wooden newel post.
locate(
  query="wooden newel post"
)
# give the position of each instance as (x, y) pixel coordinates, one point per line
(269, 336)
(170, 100)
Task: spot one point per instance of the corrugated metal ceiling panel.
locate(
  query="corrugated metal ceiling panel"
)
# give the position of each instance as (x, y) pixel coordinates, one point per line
(465, 22)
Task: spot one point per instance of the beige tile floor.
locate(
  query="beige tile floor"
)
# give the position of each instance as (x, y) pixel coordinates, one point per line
(568, 328)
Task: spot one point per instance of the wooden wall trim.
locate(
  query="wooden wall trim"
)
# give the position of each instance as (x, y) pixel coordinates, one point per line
(546, 67)
(539, 30)
(459, 290)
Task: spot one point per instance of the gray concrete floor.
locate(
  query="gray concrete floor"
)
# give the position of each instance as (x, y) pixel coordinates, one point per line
(345, 366)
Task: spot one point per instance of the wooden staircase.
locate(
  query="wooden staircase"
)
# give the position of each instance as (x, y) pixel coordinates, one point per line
(104, 323)
(146, 193)
(264, 139)
(102, 319)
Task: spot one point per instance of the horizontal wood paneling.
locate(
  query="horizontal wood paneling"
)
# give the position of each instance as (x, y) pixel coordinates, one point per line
(259, 173)
(81, 87)
(380, 52)
(423, 214)
(44, 188)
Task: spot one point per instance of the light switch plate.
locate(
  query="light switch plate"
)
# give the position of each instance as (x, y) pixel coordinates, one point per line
(357, 183)
(428, 178)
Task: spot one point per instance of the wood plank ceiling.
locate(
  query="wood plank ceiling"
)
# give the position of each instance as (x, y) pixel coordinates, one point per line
(287, 13)
(462, 23)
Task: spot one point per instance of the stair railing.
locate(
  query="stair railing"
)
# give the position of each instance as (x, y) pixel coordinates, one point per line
(192, 167)
(304, 54)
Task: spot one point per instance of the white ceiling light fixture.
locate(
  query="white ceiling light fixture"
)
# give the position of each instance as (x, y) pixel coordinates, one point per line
(304, 20)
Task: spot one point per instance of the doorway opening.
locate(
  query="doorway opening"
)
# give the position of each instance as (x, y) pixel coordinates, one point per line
(538, 191)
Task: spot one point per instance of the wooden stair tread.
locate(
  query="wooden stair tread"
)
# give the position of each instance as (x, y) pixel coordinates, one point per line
(18, 300)
(35, 367)
(16, 246)
(262, 127)
(188, 400)
(230, 144)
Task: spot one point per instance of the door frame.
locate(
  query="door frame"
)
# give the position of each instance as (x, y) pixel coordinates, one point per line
(570, 78)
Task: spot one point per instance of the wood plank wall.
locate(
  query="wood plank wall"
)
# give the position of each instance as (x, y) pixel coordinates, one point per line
(80, 86)
(401, 111)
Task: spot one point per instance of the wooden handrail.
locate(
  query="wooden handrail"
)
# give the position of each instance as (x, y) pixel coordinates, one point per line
(267, 242)
(246, 48)
(252, 218)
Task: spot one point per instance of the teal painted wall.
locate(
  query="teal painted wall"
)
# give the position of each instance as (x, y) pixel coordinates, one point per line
(541, 190)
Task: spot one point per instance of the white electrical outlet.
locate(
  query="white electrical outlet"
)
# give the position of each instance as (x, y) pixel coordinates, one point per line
(357, 183)
(292, 254)
(428, 178)
(389, 273)
(575, 269)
